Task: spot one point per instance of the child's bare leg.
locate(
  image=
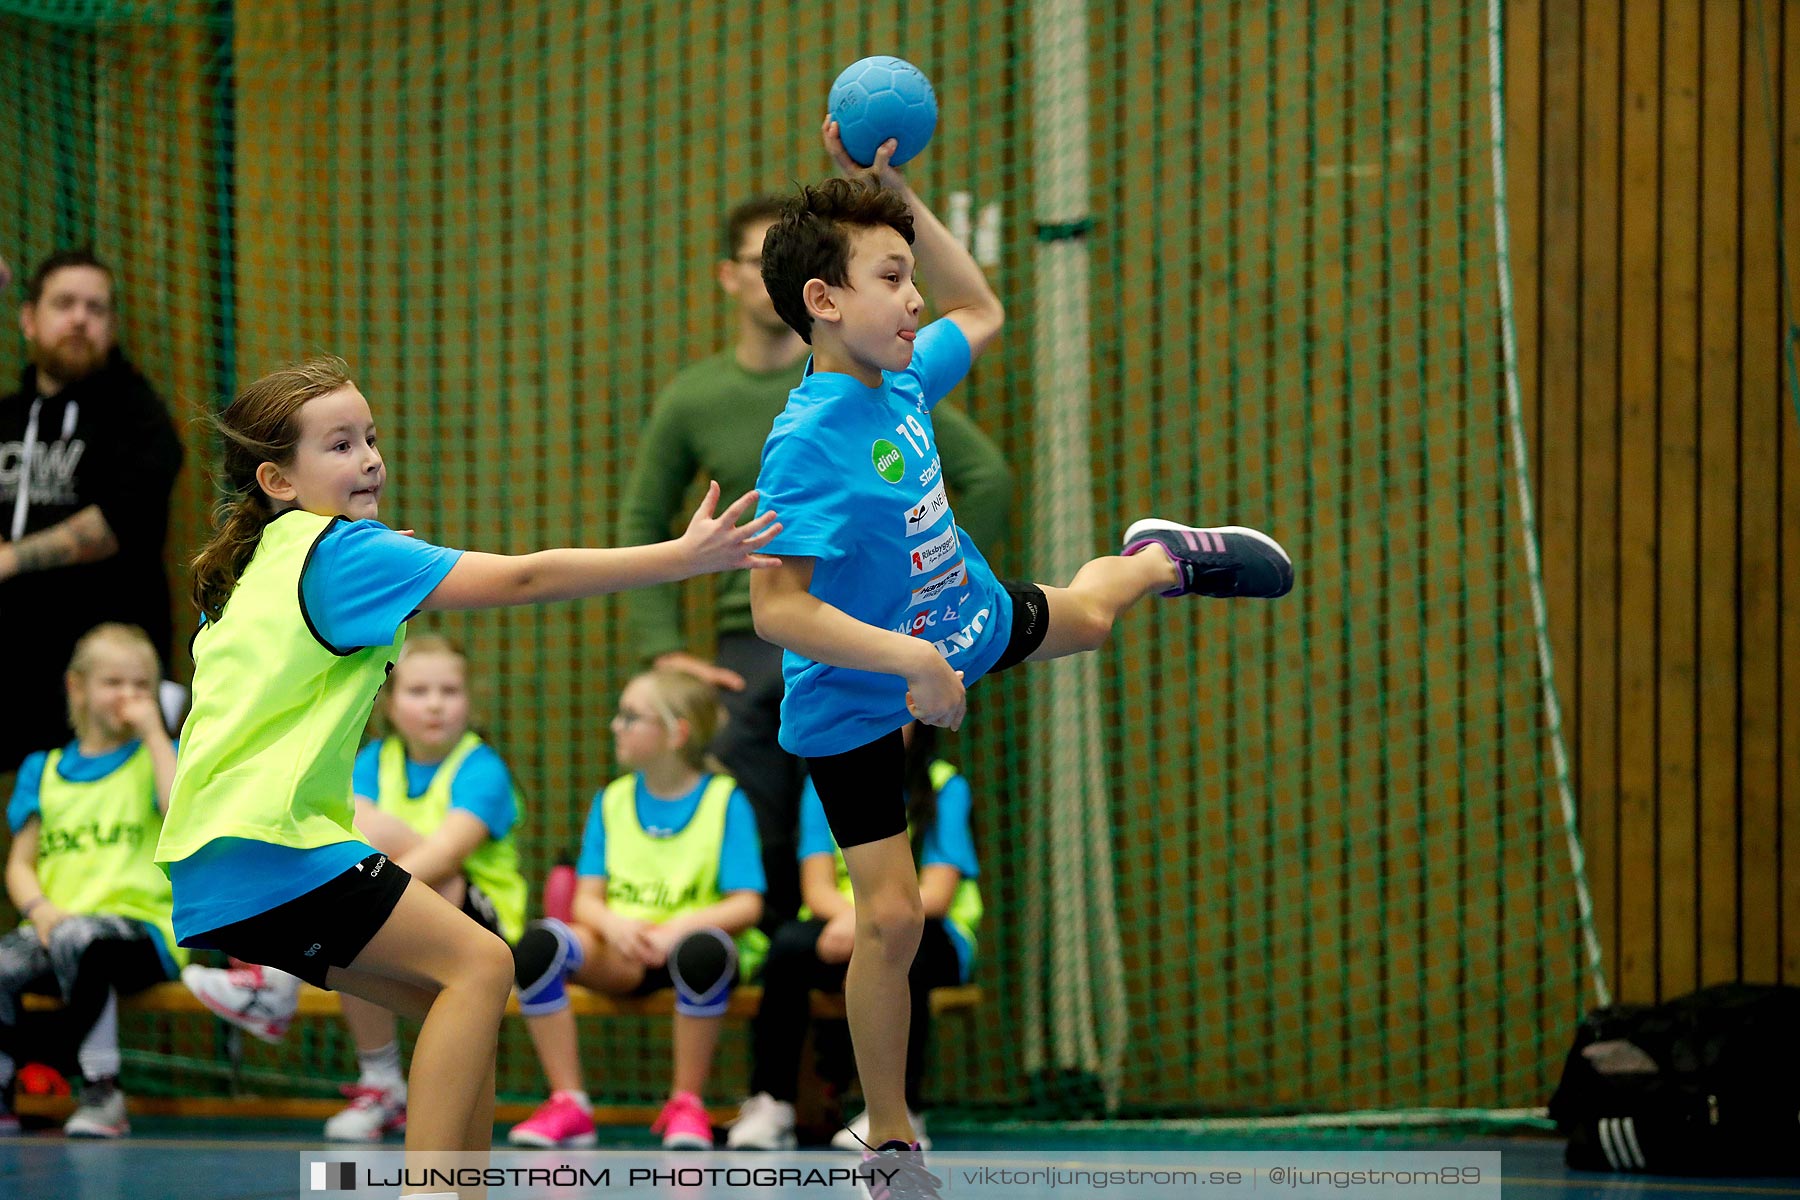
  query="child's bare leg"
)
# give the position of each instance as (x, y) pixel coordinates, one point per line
(371, 1026)
(696, 1038)
(429, 950)
(558, 1048)
(553, 1035)
(877, 998)
(1082, 614)
(481, 1122)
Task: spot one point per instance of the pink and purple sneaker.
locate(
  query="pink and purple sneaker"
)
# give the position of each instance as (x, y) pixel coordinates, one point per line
(1229, 560)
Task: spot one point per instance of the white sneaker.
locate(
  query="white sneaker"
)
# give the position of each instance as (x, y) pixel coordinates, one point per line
(373, 1114)
(101, 1113)
(258, 1000)
(856, 1134)
(763, 1123)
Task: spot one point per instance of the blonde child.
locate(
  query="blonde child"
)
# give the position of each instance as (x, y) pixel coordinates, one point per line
(671, 887)
(84, 821)
(440, 802)
(304, 597)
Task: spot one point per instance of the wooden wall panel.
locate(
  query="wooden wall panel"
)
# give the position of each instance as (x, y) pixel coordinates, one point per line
(1665, 443)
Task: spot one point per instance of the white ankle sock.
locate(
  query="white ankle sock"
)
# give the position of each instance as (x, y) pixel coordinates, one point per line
(580, 1098)
(99, 1053)
(381, 1068)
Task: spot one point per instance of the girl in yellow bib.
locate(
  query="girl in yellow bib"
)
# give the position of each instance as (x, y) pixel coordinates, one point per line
(304, 598)
(670, 889)
(440, 802)
(84, 820)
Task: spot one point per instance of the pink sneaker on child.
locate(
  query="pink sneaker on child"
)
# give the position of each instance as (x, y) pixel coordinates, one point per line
(559, 1122)
(684, 1124)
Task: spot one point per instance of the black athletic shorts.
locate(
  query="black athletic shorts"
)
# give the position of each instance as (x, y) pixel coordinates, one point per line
(480, 909)
(324, 928)
(863, 791)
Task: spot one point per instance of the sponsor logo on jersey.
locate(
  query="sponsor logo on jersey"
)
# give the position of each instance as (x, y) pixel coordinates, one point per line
(930, 473)
(935, 553)
(925, 513)
(955, 577)
(963, 638)
(890, 464)
(918, 623)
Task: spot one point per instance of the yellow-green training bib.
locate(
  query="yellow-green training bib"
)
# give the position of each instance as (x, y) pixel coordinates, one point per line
(95, 844)
(267, 751)
(655, 878)
(494, 865)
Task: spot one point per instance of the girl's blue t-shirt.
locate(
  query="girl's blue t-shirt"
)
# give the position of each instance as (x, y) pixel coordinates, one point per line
(360, 584)
(483, 786)
(854, 473)
(949, 841)
(363, 581)
(740, 852)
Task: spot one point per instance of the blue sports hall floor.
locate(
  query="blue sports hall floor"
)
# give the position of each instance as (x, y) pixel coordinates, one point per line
(221, 1160)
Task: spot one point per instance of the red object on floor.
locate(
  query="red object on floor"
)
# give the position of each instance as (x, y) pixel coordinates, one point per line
(35, 1079)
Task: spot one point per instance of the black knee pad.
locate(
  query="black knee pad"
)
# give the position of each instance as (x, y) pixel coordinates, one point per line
(702, 967)
(534, 955)
(701, 959)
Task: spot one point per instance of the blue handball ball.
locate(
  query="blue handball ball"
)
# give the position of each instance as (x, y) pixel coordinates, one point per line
(880, 98)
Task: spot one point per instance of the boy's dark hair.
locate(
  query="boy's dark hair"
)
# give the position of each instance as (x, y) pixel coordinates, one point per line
(34, 290)
(758, 210)
(811, 240)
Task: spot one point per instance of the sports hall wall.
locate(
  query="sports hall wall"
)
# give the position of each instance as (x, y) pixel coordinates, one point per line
(1666, 454)
(1335, 834)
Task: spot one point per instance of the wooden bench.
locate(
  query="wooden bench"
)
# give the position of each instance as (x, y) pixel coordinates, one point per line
(175, 999)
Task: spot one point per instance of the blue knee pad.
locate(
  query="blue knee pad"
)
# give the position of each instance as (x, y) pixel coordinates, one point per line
(542, 962)
(703, 967)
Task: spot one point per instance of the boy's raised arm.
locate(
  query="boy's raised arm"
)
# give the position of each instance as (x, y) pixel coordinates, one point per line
(953, 282)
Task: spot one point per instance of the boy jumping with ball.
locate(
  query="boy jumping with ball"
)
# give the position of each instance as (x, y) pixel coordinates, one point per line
(885, 609)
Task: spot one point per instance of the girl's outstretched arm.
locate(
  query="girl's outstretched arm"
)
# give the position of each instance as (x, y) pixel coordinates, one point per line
(711, 543)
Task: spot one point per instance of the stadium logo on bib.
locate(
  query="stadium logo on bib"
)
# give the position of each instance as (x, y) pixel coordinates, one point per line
(890, 464)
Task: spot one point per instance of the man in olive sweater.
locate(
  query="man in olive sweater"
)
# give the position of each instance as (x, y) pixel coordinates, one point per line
(711, 420)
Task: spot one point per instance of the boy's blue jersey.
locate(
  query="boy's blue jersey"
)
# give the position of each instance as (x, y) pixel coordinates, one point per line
(853, 472)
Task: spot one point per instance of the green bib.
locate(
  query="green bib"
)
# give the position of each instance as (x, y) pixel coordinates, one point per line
(653, 879)
(965, 903)
(267, 751)
(94, 844)
(494, 865)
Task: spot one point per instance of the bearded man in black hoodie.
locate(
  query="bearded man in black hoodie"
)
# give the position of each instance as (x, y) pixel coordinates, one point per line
(88, 458)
